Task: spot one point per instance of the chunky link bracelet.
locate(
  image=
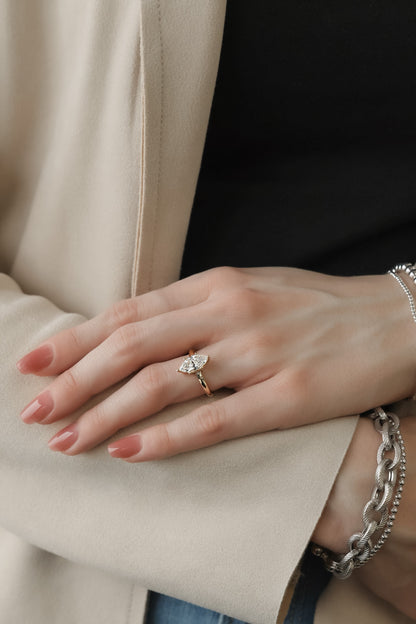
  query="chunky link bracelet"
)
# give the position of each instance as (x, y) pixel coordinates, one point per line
(378, 520)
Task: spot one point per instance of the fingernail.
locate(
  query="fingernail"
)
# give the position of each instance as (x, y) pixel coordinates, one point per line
(36, 360)
(38, 409)
(64, 439)
(127, 447)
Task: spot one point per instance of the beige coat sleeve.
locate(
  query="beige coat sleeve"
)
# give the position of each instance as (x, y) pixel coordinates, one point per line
(234, 516)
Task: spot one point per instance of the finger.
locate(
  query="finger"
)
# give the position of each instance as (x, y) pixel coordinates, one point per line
(280, 402)
(67, 347)
(243, 413)
(148, 392)
(128, 349)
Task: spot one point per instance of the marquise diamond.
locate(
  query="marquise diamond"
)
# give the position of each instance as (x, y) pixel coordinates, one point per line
(193, 363)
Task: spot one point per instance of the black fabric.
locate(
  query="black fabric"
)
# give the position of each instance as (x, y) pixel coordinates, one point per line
(313, 580)
(310, 158)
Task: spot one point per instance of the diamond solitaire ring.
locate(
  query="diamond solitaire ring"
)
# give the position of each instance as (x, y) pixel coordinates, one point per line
(194, 363)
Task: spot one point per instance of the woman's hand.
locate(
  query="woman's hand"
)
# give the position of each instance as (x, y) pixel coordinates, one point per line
(391, 574)
(296, 346)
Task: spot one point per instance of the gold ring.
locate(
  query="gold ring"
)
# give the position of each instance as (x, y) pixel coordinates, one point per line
(194, 364)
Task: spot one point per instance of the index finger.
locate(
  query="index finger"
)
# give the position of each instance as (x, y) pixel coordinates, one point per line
(70, 345)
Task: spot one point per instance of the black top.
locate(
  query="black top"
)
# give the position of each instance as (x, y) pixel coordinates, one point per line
(310, 158)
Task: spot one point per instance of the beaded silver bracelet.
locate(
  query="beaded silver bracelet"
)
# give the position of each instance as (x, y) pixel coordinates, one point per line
(409, 295)
(410, 270)
(378, 520)
(408, 267)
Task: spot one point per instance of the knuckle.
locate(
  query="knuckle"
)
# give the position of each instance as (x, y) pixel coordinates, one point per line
(165, 442)
(152, 379)
(74, 337)
(210, 421)
(224, 276)
(226, 273)
(70, 380)
(259, 342)
(125, 337)
(97, 418)
(296, 384)
(122, 313)
(246, 302)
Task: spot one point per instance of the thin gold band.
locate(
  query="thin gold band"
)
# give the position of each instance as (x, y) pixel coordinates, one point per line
(205, 387)
(203, 383)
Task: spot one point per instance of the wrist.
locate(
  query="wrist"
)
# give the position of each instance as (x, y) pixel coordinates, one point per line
(342, 515)
(395, 331)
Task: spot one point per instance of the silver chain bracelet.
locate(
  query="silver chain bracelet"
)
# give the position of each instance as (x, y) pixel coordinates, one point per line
(376, 514)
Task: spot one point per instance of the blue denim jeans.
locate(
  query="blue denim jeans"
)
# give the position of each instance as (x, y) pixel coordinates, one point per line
(165, 610)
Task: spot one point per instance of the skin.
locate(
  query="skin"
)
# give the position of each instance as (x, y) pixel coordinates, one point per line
(304, 347)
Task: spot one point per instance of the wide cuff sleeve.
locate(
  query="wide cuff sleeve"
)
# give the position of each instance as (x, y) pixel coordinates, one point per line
(223, 527)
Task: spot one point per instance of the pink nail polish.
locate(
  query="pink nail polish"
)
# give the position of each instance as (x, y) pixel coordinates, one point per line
(38, 409)
(126, 447)
(36, 360)
(64, 439)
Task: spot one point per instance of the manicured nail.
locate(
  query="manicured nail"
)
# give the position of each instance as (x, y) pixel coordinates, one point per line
(36, 360)
(64, 439)
(38, 409)
(127, 447)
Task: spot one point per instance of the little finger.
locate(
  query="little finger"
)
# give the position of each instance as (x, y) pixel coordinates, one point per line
(248, 411)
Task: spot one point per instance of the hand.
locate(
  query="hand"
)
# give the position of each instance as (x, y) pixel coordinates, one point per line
(296, 347)
(391, 574)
